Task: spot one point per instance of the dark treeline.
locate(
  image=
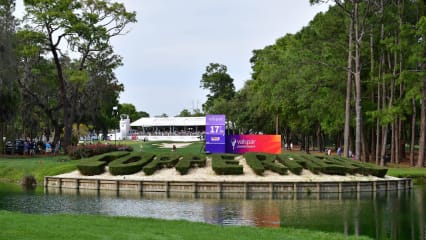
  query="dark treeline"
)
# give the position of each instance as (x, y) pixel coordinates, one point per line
(57, 68)
(353, 78)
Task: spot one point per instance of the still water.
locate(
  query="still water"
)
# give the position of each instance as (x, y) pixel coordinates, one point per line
(386, 215)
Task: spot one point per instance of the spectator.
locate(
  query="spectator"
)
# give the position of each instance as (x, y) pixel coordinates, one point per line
(339, 152)
(32, 148)
(48, 148)
(26, 147)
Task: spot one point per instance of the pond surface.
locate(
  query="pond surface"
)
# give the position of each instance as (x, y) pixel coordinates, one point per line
(385, 215)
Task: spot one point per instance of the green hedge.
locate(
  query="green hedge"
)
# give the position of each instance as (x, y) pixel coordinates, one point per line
(254, 162)
(361, 167)
(337, 165)
(261, 161)
(96, 165)
(167, 160)
(225, 164)
(130, 164)
(187, 161)
(290, 163)
(307, 163)
(271, 162)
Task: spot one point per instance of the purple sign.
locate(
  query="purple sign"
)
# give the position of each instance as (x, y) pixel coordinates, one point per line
(215, 120)
(215, 133)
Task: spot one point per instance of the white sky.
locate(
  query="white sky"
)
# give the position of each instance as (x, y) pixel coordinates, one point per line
(167, 50)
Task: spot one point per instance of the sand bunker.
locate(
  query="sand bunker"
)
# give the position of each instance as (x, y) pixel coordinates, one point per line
(170, 145)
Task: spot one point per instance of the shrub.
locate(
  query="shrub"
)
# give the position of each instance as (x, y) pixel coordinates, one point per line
(361, 167)
(307, 163)
(292, 165)
(130, 164)
(188, 161)
(270, 162)
(96, 165)
(254, 162)
(167, 160)
(225, 164)
(89, 150)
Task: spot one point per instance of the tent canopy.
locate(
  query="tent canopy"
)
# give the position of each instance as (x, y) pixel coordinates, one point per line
(169, 121)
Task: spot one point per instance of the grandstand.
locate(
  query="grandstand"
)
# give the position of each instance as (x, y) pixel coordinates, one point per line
(186, 129)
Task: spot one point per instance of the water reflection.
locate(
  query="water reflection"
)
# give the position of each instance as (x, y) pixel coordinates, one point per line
(384, 215)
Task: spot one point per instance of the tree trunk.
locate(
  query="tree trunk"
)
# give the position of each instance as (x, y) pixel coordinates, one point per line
(348, 93)
(373, 143)
(393, 137)
(364, 147)
(420, 160)
(358, 109)
(413, 132)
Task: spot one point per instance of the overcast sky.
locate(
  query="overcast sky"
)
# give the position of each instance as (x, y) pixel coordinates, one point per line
(167, 50)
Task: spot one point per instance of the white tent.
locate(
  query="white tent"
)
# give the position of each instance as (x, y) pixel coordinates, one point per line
(169, 121)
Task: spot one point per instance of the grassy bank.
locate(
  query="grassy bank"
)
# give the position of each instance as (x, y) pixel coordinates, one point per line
(407, 172)
(13, 169)
(22, 226)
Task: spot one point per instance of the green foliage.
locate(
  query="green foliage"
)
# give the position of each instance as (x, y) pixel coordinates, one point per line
(130, 164)
(255, 163)
(270, 162)
(225, 164)
(96, 165)
(163, 160)
(291, 164)
(89, 150)
(261, 161)
(190, 160)
(218, 82)
(130, 109)
(307, 162)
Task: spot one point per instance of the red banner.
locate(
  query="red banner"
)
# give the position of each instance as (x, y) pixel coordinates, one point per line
(240, 144)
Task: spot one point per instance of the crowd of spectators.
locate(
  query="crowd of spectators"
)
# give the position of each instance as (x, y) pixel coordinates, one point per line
(170, 133)
(31, 147)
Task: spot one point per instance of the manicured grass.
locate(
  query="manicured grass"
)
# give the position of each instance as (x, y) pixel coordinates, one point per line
(155, 147)
(13, 169)
(22, 226)
(410, 172)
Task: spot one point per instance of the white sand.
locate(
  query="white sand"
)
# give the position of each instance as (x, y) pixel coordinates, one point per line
(207, 174)
(177, 145)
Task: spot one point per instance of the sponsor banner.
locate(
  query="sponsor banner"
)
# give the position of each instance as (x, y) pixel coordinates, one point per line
(215, 133)
(215, 119)
(240, 144)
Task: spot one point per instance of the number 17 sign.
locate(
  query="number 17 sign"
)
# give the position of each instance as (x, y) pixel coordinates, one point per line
(217, 129)
(215, 133)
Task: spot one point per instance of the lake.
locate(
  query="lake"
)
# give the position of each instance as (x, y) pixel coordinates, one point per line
(384, 215)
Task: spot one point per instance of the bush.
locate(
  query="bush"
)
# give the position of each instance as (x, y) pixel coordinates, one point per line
(130, 164)
(254, 162)
(307, 163)
(89, 150)
(96, 165)
(292, 165)
(167, 160)
(225, 164)
(188, 161)
(361, 167)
